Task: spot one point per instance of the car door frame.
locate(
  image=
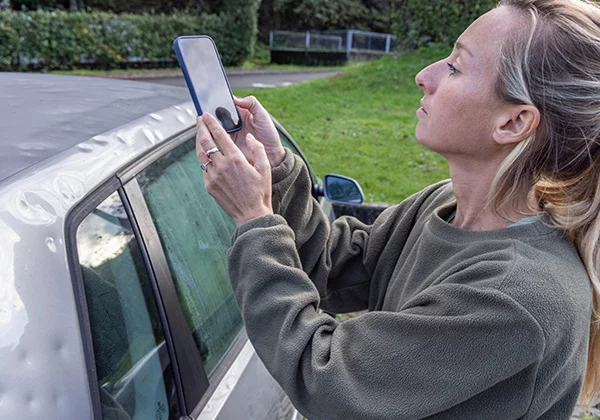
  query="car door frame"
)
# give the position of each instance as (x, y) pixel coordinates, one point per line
(192, 384)
(190, 379)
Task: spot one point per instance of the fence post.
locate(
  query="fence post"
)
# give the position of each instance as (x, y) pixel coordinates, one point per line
(388, 39)
(271, 39)
(349, 43)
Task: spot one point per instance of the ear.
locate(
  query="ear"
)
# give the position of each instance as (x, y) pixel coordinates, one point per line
(516, 124)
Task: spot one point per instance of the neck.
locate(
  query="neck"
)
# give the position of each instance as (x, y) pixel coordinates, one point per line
(473, 211)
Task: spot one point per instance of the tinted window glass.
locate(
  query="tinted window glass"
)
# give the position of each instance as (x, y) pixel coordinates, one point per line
(132, 364)
(195, 234)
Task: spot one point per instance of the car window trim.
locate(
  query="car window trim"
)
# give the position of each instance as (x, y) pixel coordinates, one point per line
(221, 370)
(194, 381)
(131, 171)
(72, 222)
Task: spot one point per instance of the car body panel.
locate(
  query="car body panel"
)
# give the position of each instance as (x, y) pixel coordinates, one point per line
(46, 114)
(238, 396)
(49, 178)
(41, 352)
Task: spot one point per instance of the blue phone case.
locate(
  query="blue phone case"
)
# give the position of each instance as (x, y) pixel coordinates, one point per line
(188, 81)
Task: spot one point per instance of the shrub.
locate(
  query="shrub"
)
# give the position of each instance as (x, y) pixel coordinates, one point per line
(414, 22)
(60, 40)
(417, 23)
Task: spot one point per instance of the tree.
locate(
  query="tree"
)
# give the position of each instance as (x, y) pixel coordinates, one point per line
(38, 4)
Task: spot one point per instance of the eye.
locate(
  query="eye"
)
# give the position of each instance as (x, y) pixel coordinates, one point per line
(453, 69)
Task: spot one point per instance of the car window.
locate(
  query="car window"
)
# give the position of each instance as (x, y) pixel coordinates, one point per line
(132, 363)
(195, 234)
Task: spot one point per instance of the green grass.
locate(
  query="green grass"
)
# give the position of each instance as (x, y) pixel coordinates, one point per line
(361, 124)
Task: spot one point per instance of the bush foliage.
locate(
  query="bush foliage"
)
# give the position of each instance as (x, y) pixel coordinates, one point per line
(121, 6)
(415, 22)
(60, 41)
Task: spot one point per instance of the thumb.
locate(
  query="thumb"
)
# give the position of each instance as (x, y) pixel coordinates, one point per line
(250, 103)
(261, 161)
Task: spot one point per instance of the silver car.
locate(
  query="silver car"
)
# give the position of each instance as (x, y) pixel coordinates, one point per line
(114, 296)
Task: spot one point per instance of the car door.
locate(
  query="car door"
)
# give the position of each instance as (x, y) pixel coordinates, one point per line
(194, 235)
(167, 338)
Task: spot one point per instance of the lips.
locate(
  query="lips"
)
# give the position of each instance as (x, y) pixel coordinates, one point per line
(423, 107)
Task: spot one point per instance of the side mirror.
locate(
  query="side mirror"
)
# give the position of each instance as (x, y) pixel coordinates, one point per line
(341, 189)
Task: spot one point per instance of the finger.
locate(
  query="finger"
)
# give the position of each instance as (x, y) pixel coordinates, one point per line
(250, 103)
(220, 136)
(261, 161)
(204, 141)
(247, 152)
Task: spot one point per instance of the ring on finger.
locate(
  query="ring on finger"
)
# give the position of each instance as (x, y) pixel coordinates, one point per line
(212, 151)
(204, 166)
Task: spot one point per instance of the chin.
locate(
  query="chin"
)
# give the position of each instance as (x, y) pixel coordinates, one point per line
(431, 144)
(423, 138)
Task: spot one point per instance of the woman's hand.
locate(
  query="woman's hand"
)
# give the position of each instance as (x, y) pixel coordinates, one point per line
(257, 121)
(240, 181)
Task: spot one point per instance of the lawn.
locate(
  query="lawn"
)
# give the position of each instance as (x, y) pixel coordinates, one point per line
(247, 65)
(361, 124)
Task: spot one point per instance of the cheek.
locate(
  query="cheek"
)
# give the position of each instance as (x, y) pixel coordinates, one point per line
(463, 112)
(457, 121)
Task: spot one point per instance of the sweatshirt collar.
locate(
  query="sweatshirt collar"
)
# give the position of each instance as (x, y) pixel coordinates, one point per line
(438, 226)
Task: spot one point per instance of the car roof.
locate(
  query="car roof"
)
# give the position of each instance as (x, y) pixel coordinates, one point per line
(44, 114)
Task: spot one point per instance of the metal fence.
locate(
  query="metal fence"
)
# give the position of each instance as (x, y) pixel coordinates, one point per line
(349, 41)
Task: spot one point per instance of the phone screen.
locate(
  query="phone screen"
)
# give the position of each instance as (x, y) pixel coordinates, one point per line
(207, 81)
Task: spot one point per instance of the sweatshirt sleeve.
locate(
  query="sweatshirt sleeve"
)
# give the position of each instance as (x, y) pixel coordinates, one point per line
(340, 257)
(427, 358)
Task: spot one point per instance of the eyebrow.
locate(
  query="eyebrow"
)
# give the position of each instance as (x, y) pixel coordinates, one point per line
(460, 46)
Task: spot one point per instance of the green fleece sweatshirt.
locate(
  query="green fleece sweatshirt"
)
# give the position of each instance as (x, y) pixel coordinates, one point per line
(461, 324)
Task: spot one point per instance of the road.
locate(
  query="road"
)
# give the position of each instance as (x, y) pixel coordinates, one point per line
(257, 79)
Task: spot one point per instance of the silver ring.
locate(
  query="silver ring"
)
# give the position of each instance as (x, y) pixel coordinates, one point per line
(204, 166)
(212, 151)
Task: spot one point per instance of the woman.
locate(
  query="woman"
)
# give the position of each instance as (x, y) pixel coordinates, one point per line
(480, 289)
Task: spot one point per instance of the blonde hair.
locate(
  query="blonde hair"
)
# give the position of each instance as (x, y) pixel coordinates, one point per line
(555, 66)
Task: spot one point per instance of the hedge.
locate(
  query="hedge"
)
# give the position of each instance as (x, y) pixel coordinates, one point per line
(417, 23)
(60, 41)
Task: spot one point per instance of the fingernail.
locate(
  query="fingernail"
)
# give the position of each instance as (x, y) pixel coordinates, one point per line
(251, 137)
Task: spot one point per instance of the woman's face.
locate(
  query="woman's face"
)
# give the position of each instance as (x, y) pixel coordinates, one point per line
(459, 108)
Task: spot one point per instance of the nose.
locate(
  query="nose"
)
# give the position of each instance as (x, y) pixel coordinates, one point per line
(426, 78)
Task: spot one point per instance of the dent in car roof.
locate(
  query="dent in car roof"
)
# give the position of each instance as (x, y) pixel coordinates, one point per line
(42, 115)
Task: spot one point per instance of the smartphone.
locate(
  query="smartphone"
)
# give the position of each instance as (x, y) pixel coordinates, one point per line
(206, 79)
